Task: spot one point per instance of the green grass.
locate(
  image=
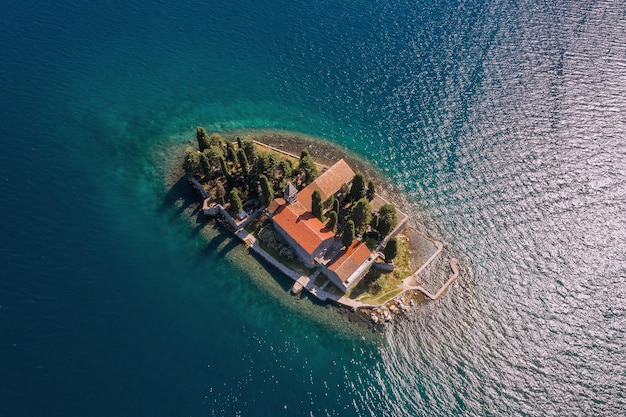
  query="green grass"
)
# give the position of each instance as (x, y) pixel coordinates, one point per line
(402, 261)
(393, 284)
(262, 149)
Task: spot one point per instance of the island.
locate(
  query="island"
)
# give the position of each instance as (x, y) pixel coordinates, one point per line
(325, 226)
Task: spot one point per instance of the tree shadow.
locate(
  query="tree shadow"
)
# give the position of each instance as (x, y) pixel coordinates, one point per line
(201, 223)
(180, 190)
(283, 281)
(211, 249)
(234, 242)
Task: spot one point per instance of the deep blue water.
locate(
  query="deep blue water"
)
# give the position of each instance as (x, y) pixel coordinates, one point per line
(503, 122)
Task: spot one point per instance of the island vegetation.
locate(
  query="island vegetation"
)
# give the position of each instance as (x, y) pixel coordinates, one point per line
(325, 227)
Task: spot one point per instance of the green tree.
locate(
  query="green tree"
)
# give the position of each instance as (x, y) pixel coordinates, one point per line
(191, 161)
(316, 205)
(336, 206)
(239, 143)
(271, 166)
(285, 168)
(243, 162)
(347, 237)
(206, 164)
(252, 182)
(260, 165)
(387, 219)
(217, 140)
(330, 201)
(307, 166)
(357, 191)
(220, 191)
(371, 242)
(374, 222)
(332, 221)
(250, 149)
(231, 155)
(378, 284)
(371, 191)
(391, 249)
(239, 193)
(224, 166)
(214, 154)
(235, 202)
(267, 193)
(203, 138)
(361, 214)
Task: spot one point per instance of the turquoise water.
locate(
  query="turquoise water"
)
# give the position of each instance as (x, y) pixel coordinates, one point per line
(502, 122)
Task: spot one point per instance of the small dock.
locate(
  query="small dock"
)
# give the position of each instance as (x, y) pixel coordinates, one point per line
(297, 288)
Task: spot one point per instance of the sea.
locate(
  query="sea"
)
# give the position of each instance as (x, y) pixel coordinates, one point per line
(502, 123)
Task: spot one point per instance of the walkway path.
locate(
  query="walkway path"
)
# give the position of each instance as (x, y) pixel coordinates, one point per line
(308, 282)
(407, 282)
(454, 264)
(254, 244)
(301, 281)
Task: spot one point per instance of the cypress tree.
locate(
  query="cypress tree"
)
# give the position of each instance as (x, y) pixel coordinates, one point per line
(224, 166)
(361, 214)
(235, 202)
(230, 153)
(243, 161)
(307, 166)
(285, 168)
(391, 249)
(213, 153)
(336, 206)
(239, 193)
(220, 191)
(357, 191)
(260, 165)
(191, 161)
(330, 202)
(203, 138)
(267, 193)
(316, 205)
(387, 219)
(332, 221)
(348, 234)
(271, 165)
(217, 140)
(371, 191)
(374, 222)
(250, 149)
(206, 164)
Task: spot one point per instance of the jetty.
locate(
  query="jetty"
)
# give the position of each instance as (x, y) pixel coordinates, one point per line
(454, 265)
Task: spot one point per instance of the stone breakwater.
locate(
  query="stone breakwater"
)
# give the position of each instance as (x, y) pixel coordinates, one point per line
(403, 301)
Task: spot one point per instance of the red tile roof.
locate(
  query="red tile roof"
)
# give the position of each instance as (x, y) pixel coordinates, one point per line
(328, 183)
(275, 204)
(345, 264)
(307, 230)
